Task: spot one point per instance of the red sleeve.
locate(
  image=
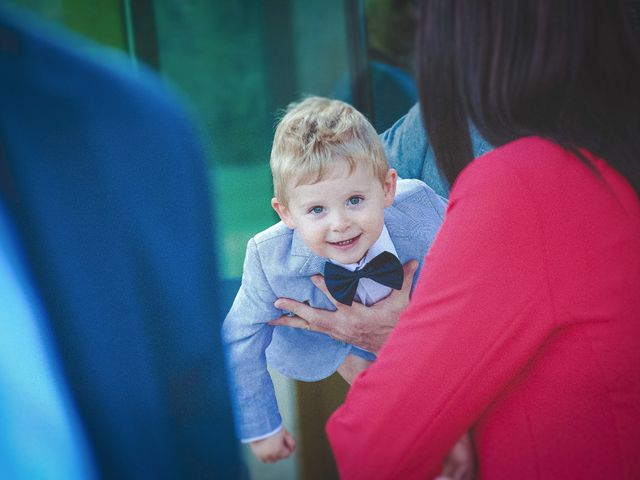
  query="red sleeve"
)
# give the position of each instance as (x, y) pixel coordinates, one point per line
(480, 311)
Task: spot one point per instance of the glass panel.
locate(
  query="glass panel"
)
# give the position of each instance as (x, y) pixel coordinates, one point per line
(213, 52)
(100, 20)
(391, 26)
(49, 9)
(240, 63)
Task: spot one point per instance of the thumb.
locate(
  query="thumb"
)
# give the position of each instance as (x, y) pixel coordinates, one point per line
(318, 281)
(289, 442)
(409, 271)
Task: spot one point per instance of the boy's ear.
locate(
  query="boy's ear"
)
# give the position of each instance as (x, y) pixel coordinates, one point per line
(283, 212)
(389, 187)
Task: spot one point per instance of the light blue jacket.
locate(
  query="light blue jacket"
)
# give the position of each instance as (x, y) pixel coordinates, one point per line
(278, 264)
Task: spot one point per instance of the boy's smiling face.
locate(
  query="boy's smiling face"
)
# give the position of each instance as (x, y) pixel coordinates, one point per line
(342, 215)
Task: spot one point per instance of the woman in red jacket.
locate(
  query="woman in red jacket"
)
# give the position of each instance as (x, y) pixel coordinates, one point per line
(524, 327)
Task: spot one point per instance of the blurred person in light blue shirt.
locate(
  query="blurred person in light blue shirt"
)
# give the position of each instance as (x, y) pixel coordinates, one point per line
(110, 300)
(40, 433)
(409, 151)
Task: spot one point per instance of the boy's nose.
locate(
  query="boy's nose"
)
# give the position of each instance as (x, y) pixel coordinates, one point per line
(339, 222)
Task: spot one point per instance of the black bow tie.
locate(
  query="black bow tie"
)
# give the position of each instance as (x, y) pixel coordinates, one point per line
(385, 269)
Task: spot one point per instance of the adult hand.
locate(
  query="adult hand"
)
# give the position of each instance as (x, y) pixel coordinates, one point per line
(460, 464)
(365, 327)
(351, 367)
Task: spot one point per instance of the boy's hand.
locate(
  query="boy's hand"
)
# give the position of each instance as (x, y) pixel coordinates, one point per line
(460, 464)
(365, 327)
(274, 448)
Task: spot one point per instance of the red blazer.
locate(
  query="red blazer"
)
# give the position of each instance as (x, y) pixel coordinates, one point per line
(524, 328)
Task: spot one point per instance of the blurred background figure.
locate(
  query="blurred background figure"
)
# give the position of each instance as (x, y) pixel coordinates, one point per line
(391, 27)
(110, 361)
(384, 59)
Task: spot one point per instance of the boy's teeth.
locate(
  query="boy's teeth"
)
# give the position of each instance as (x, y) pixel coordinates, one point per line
(344, 242)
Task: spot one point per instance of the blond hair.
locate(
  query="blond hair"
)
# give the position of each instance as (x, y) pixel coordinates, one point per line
(317, 134)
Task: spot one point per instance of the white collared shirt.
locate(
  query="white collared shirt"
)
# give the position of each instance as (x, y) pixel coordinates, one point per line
(370, 291)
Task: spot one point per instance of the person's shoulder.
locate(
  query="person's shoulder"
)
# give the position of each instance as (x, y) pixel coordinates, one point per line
(276, 253)
(104, 78)
(534, 149)
(530, 170)
(276, 233)
(417, 211)
(273, 244)
(406, 128)
(408, 186)
(525, 161)
(413, 192)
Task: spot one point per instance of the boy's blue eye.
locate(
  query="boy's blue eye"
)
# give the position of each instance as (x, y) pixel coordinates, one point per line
(355, 200)
(316, 210)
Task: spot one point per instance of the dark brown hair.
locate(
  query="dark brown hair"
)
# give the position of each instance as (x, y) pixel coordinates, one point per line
(565, 70)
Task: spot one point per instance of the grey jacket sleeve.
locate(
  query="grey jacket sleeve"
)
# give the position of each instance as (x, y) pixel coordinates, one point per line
(246, 336)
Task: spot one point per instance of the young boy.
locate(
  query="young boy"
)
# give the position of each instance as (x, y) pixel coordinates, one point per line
(342, 209)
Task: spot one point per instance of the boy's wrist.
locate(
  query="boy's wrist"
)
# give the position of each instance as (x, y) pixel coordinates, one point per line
(263, 436)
